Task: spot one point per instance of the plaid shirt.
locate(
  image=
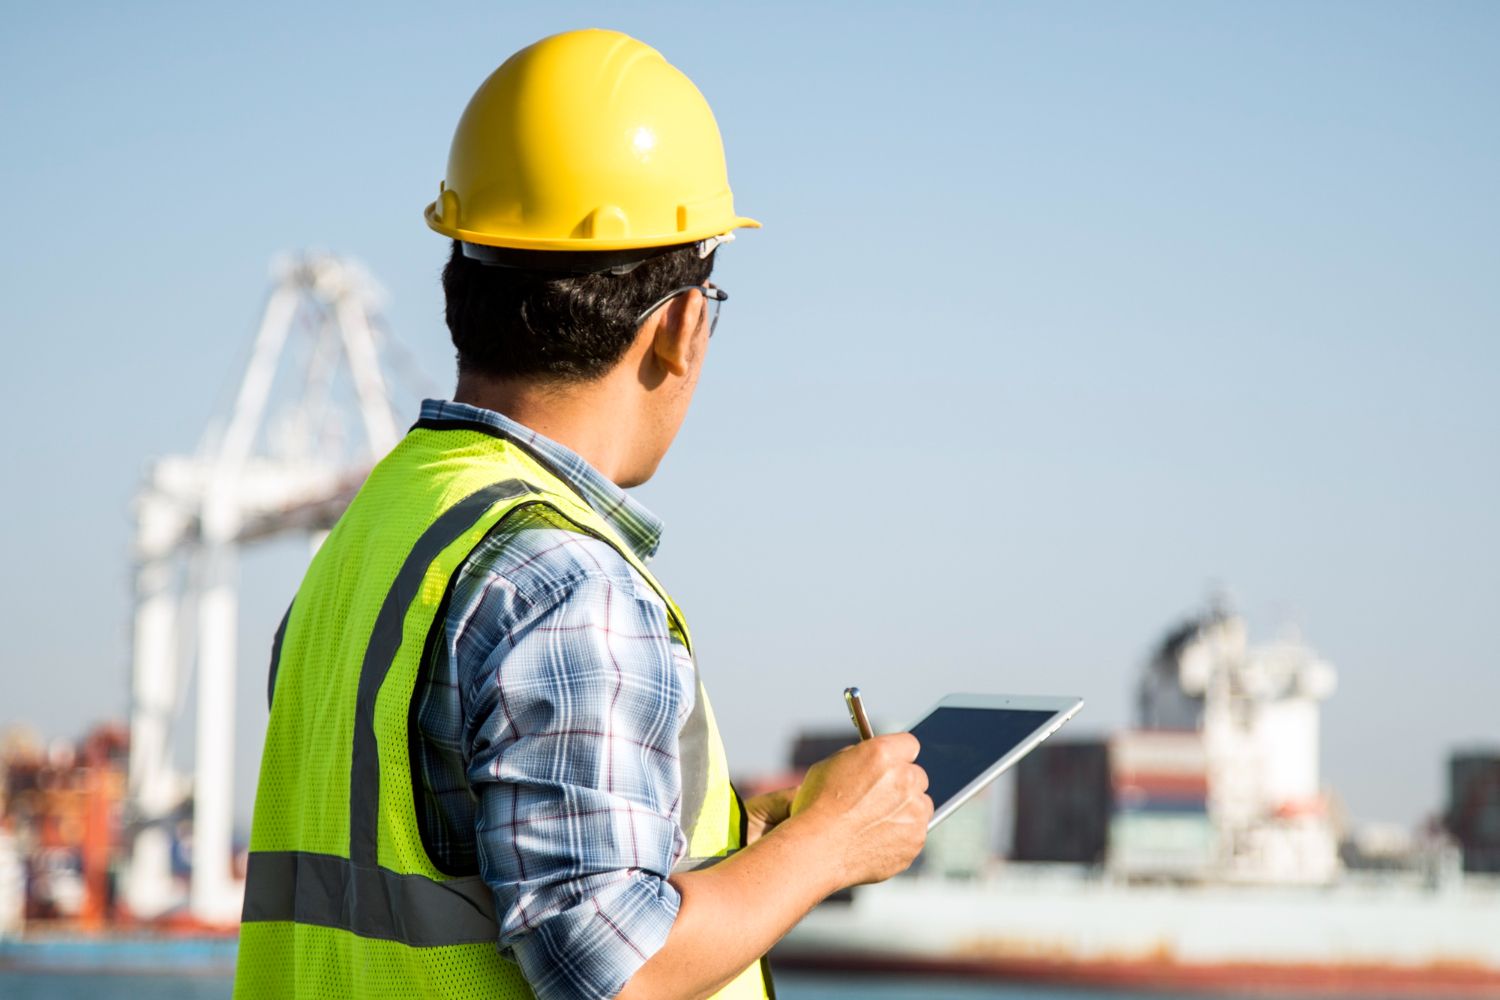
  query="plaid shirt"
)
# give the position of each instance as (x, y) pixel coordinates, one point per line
(547, 736)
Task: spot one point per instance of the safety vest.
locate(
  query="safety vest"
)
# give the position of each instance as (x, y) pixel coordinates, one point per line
(341, 897)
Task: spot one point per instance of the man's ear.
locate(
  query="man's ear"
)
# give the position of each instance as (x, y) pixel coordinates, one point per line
(678, 321)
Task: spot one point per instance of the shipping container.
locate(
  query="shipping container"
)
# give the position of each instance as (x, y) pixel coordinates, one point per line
(1164, 752)
(1063, 803)
(1166, 845)
(811, 747)
(963, 844)
(1160, 827)
(1473, 815)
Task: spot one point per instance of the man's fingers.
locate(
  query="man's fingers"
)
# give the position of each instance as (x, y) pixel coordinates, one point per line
(900, 746)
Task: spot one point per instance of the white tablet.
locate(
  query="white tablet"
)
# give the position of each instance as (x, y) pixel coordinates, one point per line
(969, 740)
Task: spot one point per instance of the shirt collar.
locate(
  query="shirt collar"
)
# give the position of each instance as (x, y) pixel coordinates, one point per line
(640, 528)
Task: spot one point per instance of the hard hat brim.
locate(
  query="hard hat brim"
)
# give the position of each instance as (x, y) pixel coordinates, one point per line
(585, 244)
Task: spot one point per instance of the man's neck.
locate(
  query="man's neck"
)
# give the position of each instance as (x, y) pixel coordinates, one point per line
(590, 419)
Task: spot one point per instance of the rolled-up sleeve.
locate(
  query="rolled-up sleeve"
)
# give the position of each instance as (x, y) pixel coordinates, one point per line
(572, 728)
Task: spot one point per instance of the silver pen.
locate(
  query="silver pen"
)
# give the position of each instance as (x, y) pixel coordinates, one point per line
(857, 713)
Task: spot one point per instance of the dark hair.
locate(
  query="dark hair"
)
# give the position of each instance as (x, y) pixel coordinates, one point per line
(512, 322)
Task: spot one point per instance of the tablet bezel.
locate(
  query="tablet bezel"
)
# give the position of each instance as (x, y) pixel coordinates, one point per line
(1062, 708)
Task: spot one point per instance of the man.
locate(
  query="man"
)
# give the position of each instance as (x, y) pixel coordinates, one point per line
(491, 769)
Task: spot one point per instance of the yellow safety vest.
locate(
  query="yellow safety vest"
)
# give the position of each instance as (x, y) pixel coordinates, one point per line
(341, 897)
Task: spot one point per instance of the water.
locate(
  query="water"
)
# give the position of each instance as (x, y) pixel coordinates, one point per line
(62, 986)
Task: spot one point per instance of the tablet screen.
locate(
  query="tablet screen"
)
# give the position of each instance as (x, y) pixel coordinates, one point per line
(960, 744)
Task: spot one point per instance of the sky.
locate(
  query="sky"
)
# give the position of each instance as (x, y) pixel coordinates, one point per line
(1064, 316)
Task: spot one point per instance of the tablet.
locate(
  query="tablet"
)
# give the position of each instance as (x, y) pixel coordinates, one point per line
(969, 740)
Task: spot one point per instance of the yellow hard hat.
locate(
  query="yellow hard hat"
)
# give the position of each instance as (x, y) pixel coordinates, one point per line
(586, 141)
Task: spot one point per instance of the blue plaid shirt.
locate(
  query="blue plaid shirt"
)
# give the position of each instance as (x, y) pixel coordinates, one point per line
(547, 735)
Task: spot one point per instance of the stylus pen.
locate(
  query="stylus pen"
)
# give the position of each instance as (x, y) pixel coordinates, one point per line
(857, 713)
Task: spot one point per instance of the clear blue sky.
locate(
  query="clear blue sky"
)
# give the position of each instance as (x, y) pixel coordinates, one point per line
(1062, 313)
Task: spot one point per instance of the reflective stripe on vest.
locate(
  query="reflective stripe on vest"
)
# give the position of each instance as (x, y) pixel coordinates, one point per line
(329, 891)
(376, 883)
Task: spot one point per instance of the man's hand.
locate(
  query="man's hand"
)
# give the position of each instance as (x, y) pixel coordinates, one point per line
(764, 812)
(874, 796)
(859, 816)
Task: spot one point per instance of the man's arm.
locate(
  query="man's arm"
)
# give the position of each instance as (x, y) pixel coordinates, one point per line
(571, 723)
(861, 816)
(571, 718)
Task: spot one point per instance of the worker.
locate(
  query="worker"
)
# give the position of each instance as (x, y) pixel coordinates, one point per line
(491, 767)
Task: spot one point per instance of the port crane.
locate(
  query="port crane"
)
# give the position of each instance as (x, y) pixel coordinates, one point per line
(313, 411)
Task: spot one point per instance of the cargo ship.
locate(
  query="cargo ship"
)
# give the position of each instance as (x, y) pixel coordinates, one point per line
(1073, 926)
(1197, 851)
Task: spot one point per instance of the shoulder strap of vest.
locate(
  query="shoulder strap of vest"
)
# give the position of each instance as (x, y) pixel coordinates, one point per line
(385, 643)
(561, 495)
(533, 481)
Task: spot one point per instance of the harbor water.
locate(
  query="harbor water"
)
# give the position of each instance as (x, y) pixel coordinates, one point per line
(58, 986)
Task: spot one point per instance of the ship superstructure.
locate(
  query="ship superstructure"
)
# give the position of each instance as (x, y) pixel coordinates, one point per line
(1244, 720)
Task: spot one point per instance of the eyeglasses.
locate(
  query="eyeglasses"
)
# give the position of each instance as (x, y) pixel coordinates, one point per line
(713, 297)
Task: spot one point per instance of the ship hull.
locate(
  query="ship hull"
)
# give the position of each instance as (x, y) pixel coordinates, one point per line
(1146, 975)
(1067, 927)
